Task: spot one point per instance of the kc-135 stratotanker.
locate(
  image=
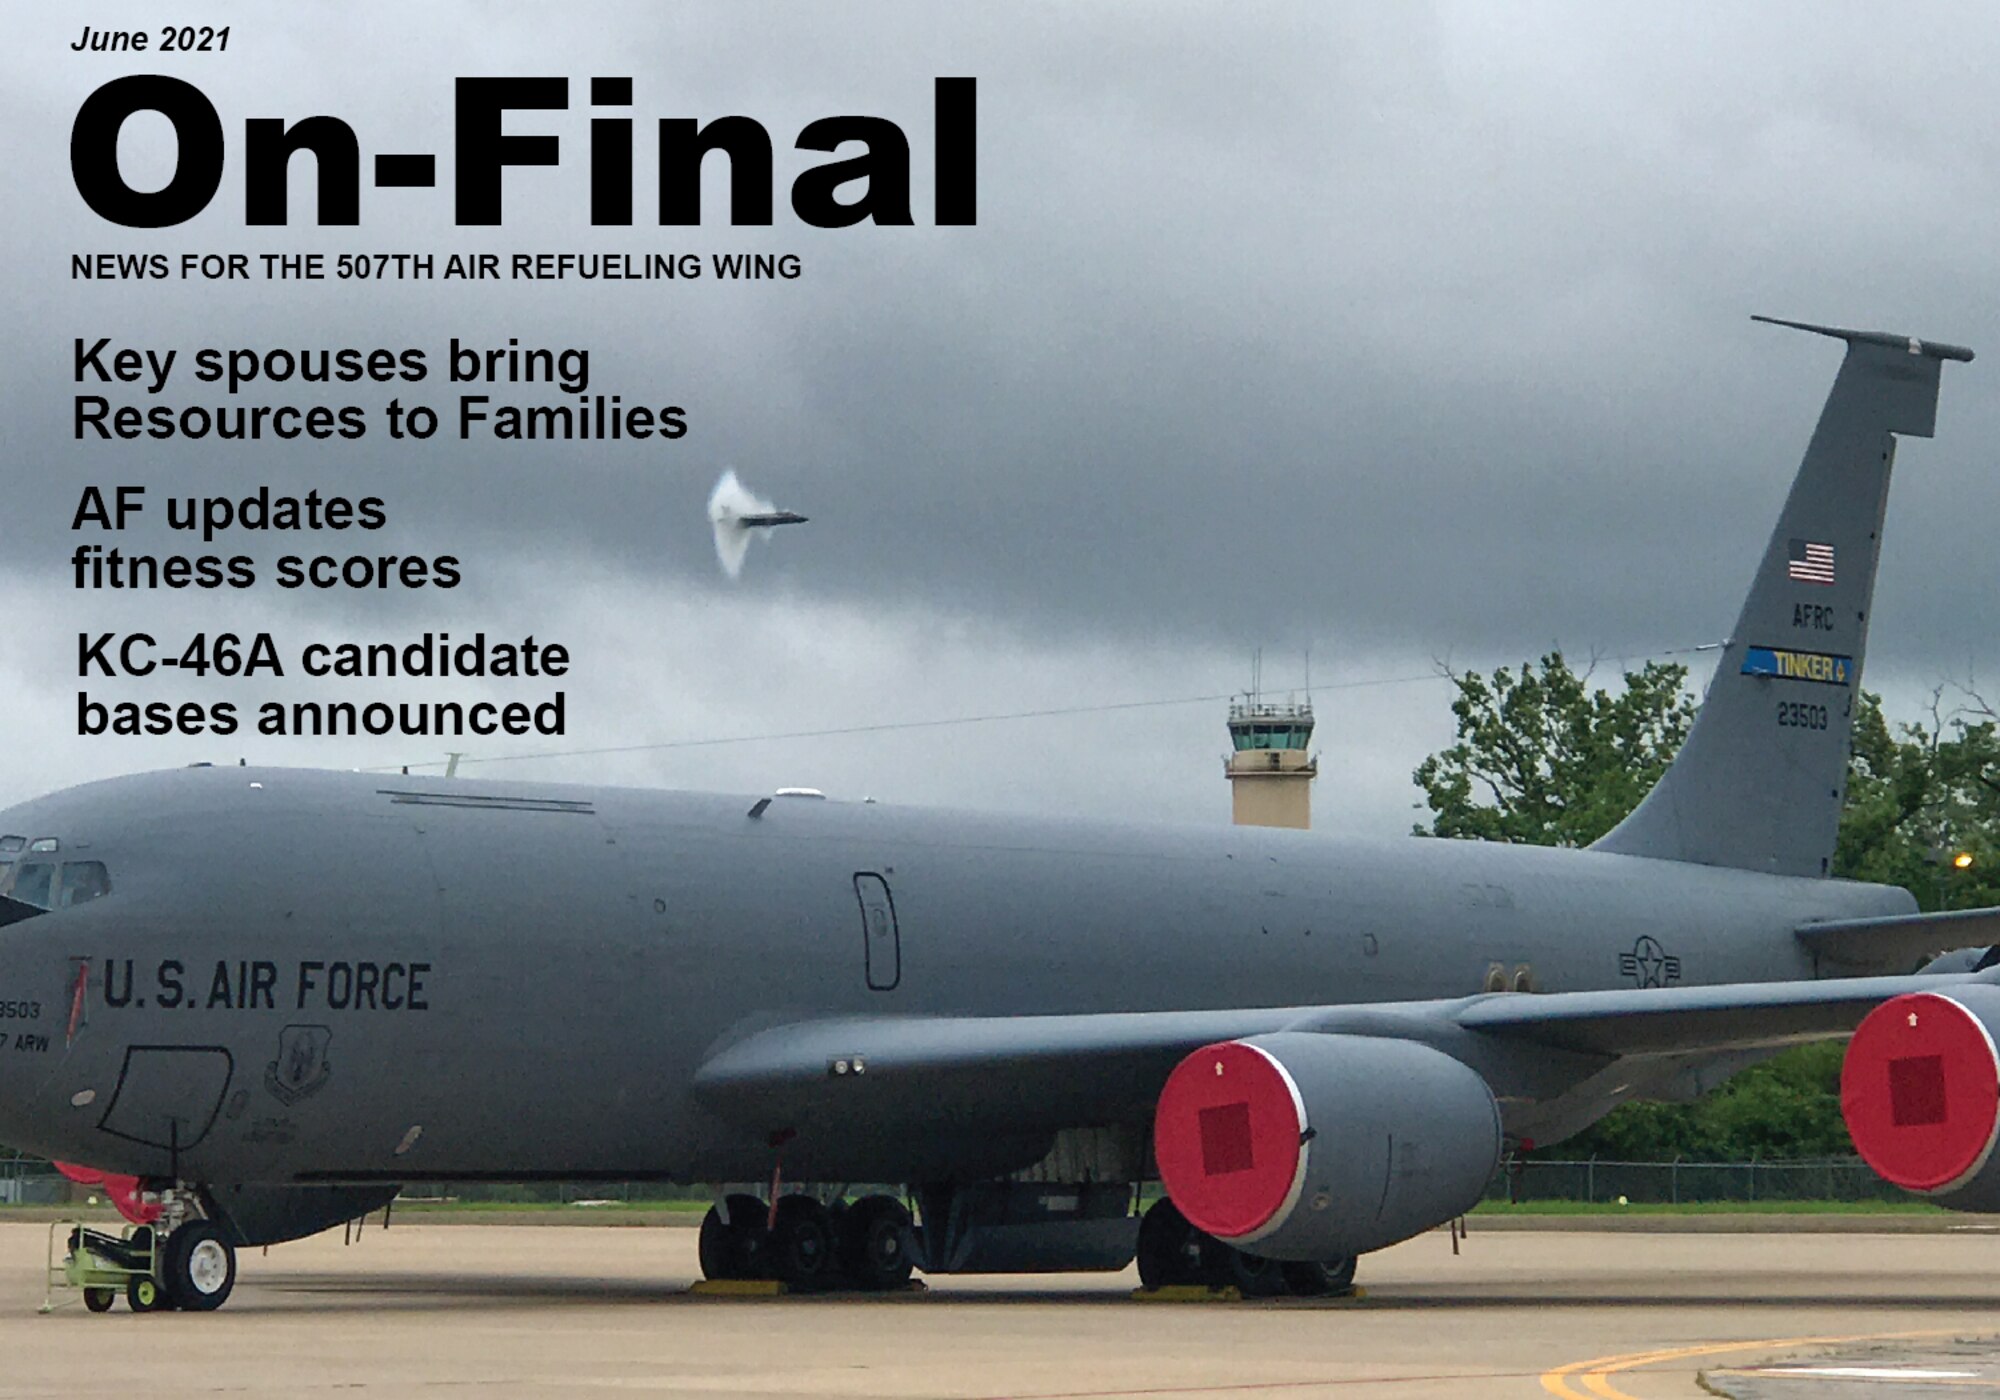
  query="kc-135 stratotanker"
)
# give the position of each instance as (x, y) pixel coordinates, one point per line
(259, 998)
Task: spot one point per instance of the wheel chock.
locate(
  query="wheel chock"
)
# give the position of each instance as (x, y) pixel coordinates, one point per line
(738, 1288)
(1188, 1293)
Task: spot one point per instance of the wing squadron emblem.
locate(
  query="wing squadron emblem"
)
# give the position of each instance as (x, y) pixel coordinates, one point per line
(301, 1070)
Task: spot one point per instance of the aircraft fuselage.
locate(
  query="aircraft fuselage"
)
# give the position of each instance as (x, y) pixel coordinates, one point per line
(302, 975)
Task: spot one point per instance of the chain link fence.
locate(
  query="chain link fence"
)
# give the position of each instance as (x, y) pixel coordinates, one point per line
(1681, 1182)
(552, 1193)
(33, 1181)
(29, 1181)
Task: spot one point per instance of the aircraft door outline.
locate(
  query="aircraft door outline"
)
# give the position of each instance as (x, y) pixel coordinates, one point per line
(881, 939)
(168, 1096)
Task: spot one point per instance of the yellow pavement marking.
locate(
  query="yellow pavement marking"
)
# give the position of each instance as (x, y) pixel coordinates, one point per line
(1592, 1374)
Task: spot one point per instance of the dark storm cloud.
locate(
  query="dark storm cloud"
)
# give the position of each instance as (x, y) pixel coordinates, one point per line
(1420, 330)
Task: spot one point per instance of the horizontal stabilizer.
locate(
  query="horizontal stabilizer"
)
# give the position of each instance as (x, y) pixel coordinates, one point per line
(1899, 942)
(1936, 349)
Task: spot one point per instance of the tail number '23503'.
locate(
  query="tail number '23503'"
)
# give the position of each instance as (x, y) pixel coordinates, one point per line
(1795, 715)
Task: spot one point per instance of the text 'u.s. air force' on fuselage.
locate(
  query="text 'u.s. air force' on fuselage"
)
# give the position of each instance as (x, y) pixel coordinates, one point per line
(252, 984)
(267, 996)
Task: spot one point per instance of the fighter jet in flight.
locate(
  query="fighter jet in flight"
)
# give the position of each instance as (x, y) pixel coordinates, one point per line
(261, 998)
(738, 516)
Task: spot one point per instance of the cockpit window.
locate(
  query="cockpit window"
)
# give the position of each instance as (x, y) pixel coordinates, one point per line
(12, 845)
(44, 843)
(32, 883)
(47, 884)
(82, 881)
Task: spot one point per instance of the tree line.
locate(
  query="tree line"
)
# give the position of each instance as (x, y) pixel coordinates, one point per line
(1543, 758)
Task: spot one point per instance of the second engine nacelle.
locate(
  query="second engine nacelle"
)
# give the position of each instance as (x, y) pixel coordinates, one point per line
(1315, 1147)
(1920, 1090)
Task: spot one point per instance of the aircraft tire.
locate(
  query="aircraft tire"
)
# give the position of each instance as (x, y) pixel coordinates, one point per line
(802, 1244)
(1256, 1276)
(1171, 1251)
(715, 1248)
(199, 1267)
(736, 1249)
(143, 1294)
(1318, 1280)
(99, 1299)
(874, 1244)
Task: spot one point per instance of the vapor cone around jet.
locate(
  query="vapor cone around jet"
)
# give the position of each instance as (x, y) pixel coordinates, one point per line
(738, 517)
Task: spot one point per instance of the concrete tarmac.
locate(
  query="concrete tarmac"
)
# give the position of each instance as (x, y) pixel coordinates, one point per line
(512, 1311)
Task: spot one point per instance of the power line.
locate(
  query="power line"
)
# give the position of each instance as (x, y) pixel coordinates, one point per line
(1008, 716)
(889, 726)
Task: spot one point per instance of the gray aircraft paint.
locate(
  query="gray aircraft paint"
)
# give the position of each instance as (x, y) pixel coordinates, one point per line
(622, 983)
(1746, 790)
(582, 963)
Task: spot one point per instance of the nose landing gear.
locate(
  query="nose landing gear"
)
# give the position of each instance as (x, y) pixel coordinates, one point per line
(198, 1267)
(181, 1262)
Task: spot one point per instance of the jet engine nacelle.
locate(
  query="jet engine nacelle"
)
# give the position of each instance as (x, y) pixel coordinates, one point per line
(1315, 1147)
(1920, 1090)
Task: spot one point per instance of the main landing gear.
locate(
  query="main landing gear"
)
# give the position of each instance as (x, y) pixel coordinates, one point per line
(1173, 1253)
(807, 1244)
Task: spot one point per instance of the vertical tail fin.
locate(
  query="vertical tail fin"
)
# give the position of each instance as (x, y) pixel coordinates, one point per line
(1758, 785)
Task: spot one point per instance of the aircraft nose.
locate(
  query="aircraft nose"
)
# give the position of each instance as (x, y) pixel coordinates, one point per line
(32, 1041)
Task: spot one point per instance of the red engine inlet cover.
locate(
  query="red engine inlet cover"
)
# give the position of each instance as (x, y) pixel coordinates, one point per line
(1226, 1135)
(1920, 1089)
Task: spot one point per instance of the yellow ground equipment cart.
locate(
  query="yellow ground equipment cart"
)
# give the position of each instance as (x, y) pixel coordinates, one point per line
(105, 1265)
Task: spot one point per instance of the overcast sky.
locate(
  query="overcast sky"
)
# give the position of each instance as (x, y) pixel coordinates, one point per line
(1390, 333)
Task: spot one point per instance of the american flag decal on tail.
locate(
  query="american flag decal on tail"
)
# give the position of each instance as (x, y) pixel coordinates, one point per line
(1810, 562)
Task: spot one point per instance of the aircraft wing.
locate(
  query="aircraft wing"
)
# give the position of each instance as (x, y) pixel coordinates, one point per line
(1900, 940)
(1052, 1070)
(1675, 1020)
(1010, 1069)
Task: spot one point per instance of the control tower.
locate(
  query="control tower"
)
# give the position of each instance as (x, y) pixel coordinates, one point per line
(1270, 767)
